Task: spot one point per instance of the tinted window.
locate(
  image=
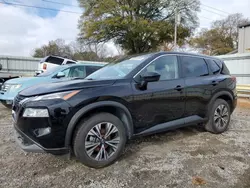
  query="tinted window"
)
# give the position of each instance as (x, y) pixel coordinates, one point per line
(54, 60)
(194, 67)
(166, 66)
(91, 69)
(215, 69)
(224, 67)
(70, 62)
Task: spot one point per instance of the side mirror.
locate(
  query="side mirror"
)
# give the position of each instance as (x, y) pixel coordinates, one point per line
(151, 77)
(148, 77)
(60, 75)
(1, 66)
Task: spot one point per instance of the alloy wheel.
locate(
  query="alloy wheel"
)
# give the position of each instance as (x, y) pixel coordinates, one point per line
(221, 116)
(102, 141)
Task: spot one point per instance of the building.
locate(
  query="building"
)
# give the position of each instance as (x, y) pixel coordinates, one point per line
(244, 38)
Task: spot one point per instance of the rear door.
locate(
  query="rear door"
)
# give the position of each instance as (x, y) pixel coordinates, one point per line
(198, 90)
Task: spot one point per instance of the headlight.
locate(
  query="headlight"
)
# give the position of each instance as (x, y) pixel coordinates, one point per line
(33, 112)
(64, 95)
(16, 86)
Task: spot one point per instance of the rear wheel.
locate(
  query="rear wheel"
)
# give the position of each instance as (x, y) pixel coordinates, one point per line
(219, 117)
(99, 140)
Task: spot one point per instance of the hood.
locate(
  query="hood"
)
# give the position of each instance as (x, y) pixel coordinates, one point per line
(64, 86)
(24, 80)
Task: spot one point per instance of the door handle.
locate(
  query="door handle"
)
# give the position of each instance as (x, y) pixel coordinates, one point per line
(214, 83)
(178, 88)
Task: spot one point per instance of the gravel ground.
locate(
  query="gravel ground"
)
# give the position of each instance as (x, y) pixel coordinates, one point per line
(187, 157)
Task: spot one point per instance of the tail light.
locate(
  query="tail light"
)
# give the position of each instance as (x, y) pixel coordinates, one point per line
(44, 66)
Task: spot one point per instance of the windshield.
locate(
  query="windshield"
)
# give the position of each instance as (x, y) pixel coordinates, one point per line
(49, 72)
(119, 69)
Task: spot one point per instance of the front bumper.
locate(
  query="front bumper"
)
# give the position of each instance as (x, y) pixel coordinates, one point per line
(29, 145)
(6, 99)
(31, 135)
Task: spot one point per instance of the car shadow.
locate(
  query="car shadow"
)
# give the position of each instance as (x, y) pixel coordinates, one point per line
(136, 144)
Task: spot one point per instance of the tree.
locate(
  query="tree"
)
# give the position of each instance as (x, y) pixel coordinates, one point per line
(229, 26)
(56, 47)
(222, 37)
(213, 42)
(136, 25)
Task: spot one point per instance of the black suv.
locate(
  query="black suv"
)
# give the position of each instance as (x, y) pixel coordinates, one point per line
(140, 95)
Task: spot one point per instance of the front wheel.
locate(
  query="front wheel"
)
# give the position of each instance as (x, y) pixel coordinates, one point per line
(100, 140)
(219, 117)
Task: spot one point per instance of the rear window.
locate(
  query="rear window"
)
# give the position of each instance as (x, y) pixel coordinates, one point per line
(53, 60)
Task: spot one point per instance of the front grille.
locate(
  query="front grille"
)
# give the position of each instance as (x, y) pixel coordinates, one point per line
(16, 103)
(18, 98)
(5, 87)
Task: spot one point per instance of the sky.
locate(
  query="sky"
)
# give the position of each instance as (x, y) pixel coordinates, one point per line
(22, 29)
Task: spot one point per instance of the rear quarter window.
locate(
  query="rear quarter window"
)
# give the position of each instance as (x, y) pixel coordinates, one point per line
(214, 67)
(224, 69)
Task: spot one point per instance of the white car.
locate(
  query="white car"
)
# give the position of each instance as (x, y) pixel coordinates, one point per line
(52, 61)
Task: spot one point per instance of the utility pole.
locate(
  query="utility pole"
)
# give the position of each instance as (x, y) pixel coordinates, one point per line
(175, 28)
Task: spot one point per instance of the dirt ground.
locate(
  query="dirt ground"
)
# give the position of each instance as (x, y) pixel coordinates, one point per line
(187, 157)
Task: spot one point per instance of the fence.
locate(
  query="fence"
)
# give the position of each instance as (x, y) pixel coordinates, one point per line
(239, 66)
(19, 65)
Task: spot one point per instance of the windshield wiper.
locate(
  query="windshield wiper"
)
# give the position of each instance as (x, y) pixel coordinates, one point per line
(89, 79)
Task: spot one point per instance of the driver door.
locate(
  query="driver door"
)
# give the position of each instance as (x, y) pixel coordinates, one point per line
(163, 100)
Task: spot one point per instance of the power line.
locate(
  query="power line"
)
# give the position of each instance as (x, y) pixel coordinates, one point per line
(37, 7)
(61, 3)
(206, 18)
(213, 12)
(215, 8)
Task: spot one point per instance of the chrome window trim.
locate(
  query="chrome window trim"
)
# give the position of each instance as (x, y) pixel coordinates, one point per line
(172, 55)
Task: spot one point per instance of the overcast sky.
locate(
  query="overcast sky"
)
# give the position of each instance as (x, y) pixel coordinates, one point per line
(23, 29)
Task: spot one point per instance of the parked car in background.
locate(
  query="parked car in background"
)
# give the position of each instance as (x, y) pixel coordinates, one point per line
(51, 61)
(59, 73)
(140, 95)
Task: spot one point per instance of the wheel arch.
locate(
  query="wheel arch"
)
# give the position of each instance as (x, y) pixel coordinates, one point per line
(112, 107)
(225, 95)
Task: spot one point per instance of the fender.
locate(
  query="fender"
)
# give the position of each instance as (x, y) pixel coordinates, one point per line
(217, 95)
(84, 110)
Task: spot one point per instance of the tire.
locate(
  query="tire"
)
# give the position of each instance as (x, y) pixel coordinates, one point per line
(6, 105)
(84, 139)
(219, 117)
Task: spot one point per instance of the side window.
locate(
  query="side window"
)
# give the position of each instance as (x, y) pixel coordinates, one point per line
(66, 72)
(194, 67)
(215, 69)
(166, 66)
(78, 72)
(70, 62)
(91, 69)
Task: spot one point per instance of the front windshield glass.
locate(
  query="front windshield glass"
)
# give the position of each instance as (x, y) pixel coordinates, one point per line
(118, 70)
(49, 72)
